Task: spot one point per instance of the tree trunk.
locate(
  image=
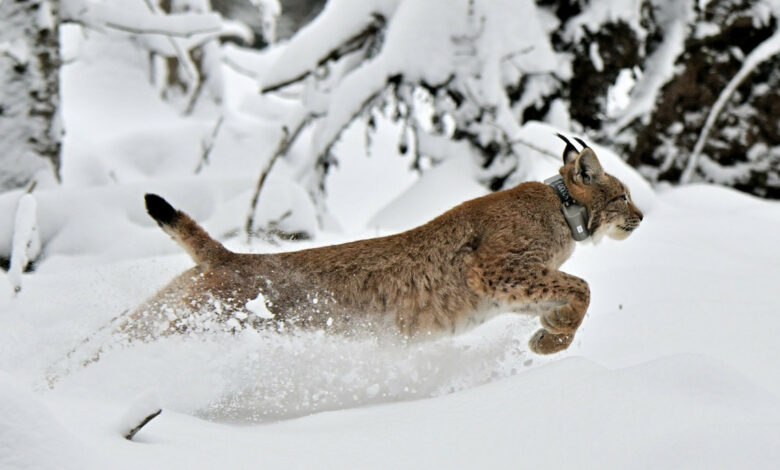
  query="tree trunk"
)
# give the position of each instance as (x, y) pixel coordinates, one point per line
(29, 91)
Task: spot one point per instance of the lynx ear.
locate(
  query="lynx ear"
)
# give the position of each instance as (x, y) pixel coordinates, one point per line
(569, 152)
(588, 169)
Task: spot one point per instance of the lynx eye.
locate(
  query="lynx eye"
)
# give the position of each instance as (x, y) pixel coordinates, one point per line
(624, 197)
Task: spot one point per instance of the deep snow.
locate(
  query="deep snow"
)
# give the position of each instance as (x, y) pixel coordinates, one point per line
(676, 365)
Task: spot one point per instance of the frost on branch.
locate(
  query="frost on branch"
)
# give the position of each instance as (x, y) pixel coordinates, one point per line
(444, 68)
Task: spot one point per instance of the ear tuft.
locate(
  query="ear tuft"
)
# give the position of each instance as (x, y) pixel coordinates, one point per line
(570, 153)
(582, 142)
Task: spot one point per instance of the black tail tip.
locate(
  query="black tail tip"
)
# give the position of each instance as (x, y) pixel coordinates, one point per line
(159, 209)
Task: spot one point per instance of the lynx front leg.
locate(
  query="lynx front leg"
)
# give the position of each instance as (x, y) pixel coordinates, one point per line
(520, 284)
(560, 323)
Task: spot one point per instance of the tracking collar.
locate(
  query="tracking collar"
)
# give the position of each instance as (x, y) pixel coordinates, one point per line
(576, 215)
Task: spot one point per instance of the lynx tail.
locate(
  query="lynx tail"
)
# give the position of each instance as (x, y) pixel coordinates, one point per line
(186, 232)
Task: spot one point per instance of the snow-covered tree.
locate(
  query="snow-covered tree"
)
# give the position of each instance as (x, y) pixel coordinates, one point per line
(29, 92)
(724, 129)
(458, 71)
(686, 90)
(702, 79)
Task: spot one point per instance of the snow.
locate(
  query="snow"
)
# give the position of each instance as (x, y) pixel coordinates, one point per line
(45, 19)
(309, 47)
(430, 195)
(674, 18)
(675, 366)
(258, 307)
(17, 50)
(595, 57)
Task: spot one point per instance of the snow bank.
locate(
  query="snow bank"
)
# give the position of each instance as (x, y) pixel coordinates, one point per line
(547, 418)
(694, 278)
(682, 411)
(31, 436)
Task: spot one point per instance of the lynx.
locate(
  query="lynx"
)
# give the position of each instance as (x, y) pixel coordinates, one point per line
(497, 253)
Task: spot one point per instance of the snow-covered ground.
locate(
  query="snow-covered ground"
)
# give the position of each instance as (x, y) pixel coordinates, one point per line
(676, 365)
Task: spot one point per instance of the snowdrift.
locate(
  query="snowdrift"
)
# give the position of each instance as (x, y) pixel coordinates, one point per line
(676, 366)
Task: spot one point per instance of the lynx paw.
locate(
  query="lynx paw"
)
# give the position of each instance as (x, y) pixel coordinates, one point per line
(544, 342)
(561, 320)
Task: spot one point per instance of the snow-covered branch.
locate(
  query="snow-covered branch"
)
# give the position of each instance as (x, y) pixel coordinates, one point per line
(766, 50)
(342, 27)
(140, 21)
(349, 46)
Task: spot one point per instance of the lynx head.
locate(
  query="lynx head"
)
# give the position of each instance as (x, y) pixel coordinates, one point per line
(608, 200)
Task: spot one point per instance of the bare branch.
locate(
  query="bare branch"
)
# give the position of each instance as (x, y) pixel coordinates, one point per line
(208, 144)
(535, 148)
(163, 32)
(284, 145)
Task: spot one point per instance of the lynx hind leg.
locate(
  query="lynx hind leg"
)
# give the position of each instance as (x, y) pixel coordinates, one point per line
(516, 283)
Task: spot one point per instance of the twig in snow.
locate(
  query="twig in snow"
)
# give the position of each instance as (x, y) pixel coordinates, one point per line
(130, 434)
(766, 50)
